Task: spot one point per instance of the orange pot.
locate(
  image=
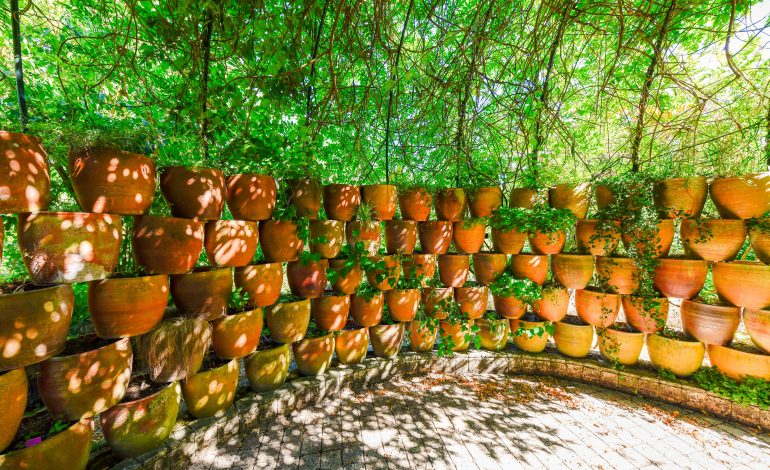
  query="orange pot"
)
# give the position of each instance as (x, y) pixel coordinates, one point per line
(307, 280)
(645, 314)
(347, 282)
(262, 282)
(367, 312)
(493, 334)
(487, 266)
(682, 357)
(525, 198)
(386, 339)
(757, 323)
(175, 350)
(534, 343)
(604, 196)
(619, 275)
(288, 321)
(458, 332)
(419, 265)
(327, 237)
(508, 241)
(305, 195)
(330, 312)
(382, 198)
(469, 236)
(714, 239)
(280, 241)
(622, 347)
(314, 355)
(741, 197)
(400, 236)
(599, 309)
(73, 446)
(415, 203)
(422, 338)
(341, 201)
(267, 369)
(710, 324)
(128, 306)
(432, 297)
(658, 243)
(403, 303)
(598, 237)
(435, 236)
(743, 283)
(485, 200)
(384, 278)
(739, 364)
(451, 204)
(572, 271)
(532, 267)
(453, 269)
(573, 197)
(237, 335)
(509, 307)
(230, 242)
(194, 193)
(209, 392)
(13, 389)
(204, 292)
(573, 339)
(473, 300)
(368, 233)
(24, 173)
(166, 245)
(554, 304)
(680, 197)
(251, 196)
(680, 278)
(760, 243)
(547, 243)
(351, 345)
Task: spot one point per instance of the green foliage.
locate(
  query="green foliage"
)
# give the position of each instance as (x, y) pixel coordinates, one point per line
(537, 330)
(527, 291)
(238, 300)
(752, 391)
(510, 218)
(548, 220)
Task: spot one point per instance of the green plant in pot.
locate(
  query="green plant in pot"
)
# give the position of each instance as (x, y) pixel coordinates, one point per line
(457, 331)
(509, 229)
(423, 331)
(511, 296)
(548, 228)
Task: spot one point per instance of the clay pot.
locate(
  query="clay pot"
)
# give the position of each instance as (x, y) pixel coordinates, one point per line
(230, 242)
(644, 314)
(485, 200)
(26, 183)
(327, 237)
(573, 197)
(419, 265)
(533, 344)
(69, 247)
(134, 427)
(597, 237)
(211, 391)
(509, 307)
(487, 266)
(386, 339)
(288, 321)
(680, 278)
(13, 389)
(710, 324)
(166, 245)
(314, 355)
(493, 334)
(386, 273)
(367, 312)
(203, 292)
(330, 312)
(757, 323)
(760, 243)
(508, 241)
(450, 204)
(621, 347)
(262, 282)
(679, 356)
(351, 345)
(341, 201)
(415, 203)
(403, 303)
(547, 243)
(532, 267)
(657, 244)
(433, 297)
(382, 198)
(305, 195)
(554, 304)
(237, 335)
(73, 446)
(743, 283)
(599, 309)
(369, 233)
(739, 364)
(194, 193)
(469, 236)
(573, 338)
(347, 282)
(435, 236)
(458, 332)
(680, 197)
(110, 181)
(453, 269)
(34, 325)
(422, 337)
(604, 196)
(619, 275)
(251, 196)
(267, 369)
(525, 198)
(307, 279)
(572, 271)
(741, 197)
(400, 236)
(175, 350)
(714, 239)
(472, 300)
(84, 384)
(128, 306)
(280, 241)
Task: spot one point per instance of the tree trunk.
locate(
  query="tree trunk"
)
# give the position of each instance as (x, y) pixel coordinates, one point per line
(206, 46)
(21, 95)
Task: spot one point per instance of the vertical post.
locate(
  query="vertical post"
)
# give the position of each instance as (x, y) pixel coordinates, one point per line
(16, 31)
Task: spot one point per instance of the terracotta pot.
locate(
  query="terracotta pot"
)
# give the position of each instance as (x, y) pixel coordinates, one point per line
(26, 183)
(713, 240)
(166, 245)
(473, 300)
(351, 345)
(69, 247)
(680, 197)
(532, 267)
(757, 323)
(739, 364)
(680, 278)
(84, 384)
(645, 314)
(305, 195)
(422, 337)
(400, 236)
(194, 193)
(386, 339)
(280, 241)
(327, 237)
(622, 347)
(619, 275)
(710, 324)
(509, 307)
(508, 241)
(604, 196)
(433, 297)
(572, 271)
(493, 334)
(403, 303)
(453, 269)
(599, 309)
(547, 243)
(382, 198)
(743, 283)
(237, 335)
(73, 446)
(13, 389)
(330, 312)
(267, 369)
(341, 201)
(469, 236)
(573, 340)
(451, 204)
(314, 355)
(680, 357)
(203, 292)
(369, 233)
(128, 306)
(415, 203)
(760, 243)
(534, 344)
(485, 200)
(435, 236)
(34, 325)
(347, 282)
(573, 197)
(211, 391)
(741, 197)
(419, 265)
(175, 350)
(386, 273)
(525, 198)
(367, 312)
(487, 266)
(251, 196)
(658, 243)
(262, 282)
(132, 428)
(307, 279)
(230, 242)
(288, 321)
(597, 237)
(110, 181)
(554, 304)
(459, 333)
